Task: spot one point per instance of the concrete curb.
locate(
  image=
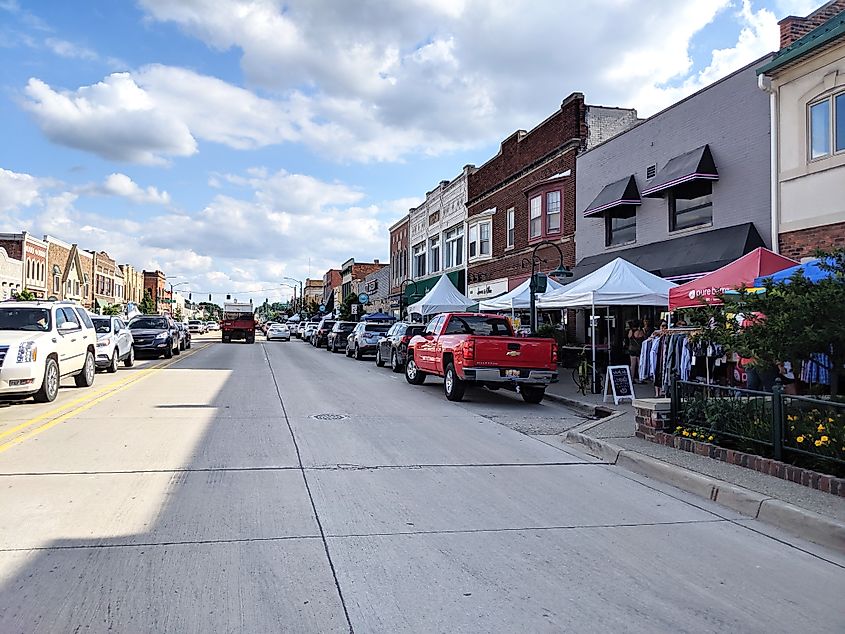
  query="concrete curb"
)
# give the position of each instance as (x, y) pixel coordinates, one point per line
(590, 409)
(800, 522)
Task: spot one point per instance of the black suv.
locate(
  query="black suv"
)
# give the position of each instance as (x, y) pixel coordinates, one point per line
(156, 335)
(393, 348)
(321, 335)
(336, 338)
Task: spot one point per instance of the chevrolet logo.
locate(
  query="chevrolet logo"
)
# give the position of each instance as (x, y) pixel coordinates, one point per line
(513, 353)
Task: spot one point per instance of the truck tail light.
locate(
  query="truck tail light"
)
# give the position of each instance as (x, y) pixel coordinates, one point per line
(469, 349)
(405, 339)
(554, 352)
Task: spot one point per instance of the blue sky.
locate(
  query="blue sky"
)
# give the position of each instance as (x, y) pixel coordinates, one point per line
(230, 143)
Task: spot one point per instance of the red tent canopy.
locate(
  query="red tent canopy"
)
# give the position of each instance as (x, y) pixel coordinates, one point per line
(738, 273)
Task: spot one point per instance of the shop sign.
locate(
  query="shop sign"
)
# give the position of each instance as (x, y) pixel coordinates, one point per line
(372, 286)
(484, 290)
(618, 380)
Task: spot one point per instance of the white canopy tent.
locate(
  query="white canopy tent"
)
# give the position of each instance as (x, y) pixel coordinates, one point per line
(520, 297)
(617, 283)
(443, 297)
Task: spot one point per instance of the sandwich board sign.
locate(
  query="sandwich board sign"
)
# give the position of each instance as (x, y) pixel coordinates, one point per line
(618, 380)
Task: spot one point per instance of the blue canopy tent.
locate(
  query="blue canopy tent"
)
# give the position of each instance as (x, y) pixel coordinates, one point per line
(810, 270)
(378, 317)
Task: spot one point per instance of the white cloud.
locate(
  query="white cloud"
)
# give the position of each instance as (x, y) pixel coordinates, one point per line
(63, 48)
(17, 190)
(118, 184)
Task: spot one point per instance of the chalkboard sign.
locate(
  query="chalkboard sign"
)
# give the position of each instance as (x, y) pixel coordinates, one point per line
(618, 379)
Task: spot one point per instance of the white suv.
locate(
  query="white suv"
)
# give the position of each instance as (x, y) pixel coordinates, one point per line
(41, 342)
(114, 343)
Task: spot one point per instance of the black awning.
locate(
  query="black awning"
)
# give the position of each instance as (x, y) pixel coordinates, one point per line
(696, 253)
(695, 165)
(622, 192)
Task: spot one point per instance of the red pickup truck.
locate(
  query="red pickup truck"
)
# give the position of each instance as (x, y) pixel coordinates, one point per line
(477, 348)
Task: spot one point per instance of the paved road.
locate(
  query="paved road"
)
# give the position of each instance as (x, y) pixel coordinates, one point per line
(275, 487)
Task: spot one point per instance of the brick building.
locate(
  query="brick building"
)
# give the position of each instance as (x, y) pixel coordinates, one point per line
(436, 231)
(104, 281)
(156, 283)
(353, 273)
(32, 252)
(313, 291)
(525, 195)
(399, 260)
(86, 259)
(66, 279)
(11, 275)
(377, 287)
(331, 281)
(133, 284)
(805, 82)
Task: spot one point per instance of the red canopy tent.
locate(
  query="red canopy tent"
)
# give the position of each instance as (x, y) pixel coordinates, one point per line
(740, 272)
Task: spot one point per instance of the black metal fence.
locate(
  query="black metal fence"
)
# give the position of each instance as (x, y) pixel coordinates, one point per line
(797, 429)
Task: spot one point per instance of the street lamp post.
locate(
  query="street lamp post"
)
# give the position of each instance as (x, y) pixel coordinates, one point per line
(402, 287)
(301, 294)
(560, 271)
(172, 286)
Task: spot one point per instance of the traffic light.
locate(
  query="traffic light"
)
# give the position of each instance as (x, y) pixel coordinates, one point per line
(209, 297)
(228, 297)
(190, 297)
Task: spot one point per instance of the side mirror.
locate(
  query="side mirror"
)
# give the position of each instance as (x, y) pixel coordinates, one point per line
(428, 336)
(68, 326)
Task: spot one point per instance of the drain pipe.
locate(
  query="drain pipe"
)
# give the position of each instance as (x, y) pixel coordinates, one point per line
(764, 83)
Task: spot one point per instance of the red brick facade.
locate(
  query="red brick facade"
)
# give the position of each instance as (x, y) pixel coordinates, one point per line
(524, 163)
(155, 283)
(399, 260)
(803, 243)
(793, 28)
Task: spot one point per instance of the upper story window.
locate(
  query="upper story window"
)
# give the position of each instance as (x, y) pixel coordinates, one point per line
(544, 212)
(620, 227)
(827, 126)
(479, 240)
(434, 254)
(511, 227)
(419, 269)
(454, 247)
(691, 207)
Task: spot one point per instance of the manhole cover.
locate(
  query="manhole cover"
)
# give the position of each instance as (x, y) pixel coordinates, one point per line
(330, 416)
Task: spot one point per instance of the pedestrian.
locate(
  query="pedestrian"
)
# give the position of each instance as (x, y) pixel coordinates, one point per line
(634, 338)
(648, 329)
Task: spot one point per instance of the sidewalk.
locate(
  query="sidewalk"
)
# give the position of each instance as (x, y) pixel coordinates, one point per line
(814, 515)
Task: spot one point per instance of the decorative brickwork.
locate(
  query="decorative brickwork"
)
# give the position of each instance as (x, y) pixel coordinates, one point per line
(794, 28)
(803, 243)
(652, 416)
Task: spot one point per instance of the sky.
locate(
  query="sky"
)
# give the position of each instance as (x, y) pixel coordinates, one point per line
(234, 143)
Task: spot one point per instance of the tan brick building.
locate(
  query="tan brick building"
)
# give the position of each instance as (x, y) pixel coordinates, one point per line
(86, 259)
(67, 274)
(104, 281)
(133, 284)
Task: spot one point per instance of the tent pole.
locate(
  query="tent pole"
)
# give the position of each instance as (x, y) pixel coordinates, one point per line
(593, 337)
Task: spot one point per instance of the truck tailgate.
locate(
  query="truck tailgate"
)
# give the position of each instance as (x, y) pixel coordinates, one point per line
(512, 352)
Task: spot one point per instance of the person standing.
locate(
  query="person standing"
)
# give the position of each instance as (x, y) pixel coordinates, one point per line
(634, 338)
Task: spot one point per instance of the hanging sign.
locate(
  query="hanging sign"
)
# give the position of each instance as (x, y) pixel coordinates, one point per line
(619, 380)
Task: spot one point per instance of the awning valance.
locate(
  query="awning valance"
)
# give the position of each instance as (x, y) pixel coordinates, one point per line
(694, 165)
(622, 192)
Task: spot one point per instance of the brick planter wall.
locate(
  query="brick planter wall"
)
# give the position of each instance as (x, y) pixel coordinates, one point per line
(653, 418)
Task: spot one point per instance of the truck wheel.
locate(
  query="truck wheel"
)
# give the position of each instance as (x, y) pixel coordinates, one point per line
(379, 360)
(453, 385)
(413, 374)
(85, 378)
(50, 384)
(532, 394)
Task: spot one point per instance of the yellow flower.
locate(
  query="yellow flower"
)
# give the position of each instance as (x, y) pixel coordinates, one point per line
(818, 443)
(825, 439)
(710, 438)
(820, 427)
(686, 433)
(678, 428)
(799, 439)
(694, 434)
(791, 418)
(830, 420)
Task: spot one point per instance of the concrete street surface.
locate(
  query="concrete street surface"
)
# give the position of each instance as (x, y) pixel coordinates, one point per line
(278, 488)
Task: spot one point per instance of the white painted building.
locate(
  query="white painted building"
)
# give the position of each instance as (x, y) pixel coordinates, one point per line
(11, 275)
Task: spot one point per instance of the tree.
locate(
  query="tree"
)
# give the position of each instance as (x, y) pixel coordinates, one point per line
(790, 321)
(147, 306)
(345, 312)
(177, 314)
(112, 309)
(26, 295)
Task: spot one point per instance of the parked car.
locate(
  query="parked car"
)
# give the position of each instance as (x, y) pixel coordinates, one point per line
(114, 343)
(197, 326)
(365, 338)
(300, 328)
(321, 334)
(308, 330)
(211, 326)
(467, 348)
(184, 336)
(41, 342)
(278, 331)
(156, 335)
(393, 347)
(336, 338)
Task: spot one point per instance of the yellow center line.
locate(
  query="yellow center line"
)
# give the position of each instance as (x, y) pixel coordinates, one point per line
(87, 402)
